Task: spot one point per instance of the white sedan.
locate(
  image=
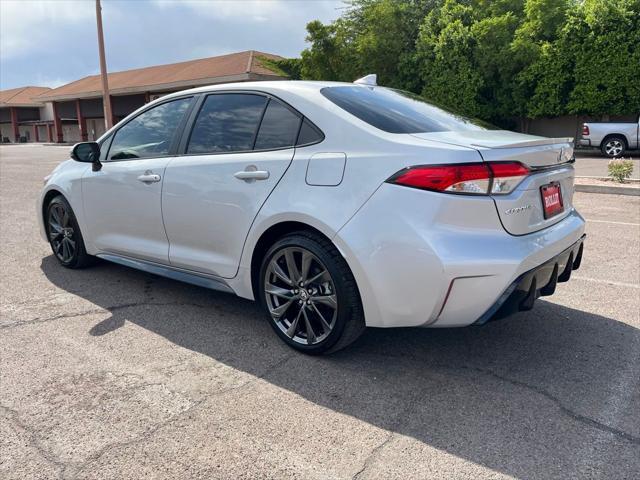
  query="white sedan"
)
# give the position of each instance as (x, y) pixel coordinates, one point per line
(337, 206)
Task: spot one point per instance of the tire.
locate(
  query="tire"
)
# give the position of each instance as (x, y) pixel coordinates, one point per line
(614, 146)
(280, 294)
(64, 235)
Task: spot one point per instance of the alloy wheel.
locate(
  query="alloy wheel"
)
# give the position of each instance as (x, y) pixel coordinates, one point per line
(613, 148)
(61, 233)
(301, 295)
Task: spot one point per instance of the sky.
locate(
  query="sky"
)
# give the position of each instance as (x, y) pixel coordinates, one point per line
(53, 42)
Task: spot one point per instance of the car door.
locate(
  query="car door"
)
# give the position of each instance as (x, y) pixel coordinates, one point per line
(239, 147)
(122, 201)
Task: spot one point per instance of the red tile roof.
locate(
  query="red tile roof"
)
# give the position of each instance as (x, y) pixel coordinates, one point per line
(22, 97)
(240, 66)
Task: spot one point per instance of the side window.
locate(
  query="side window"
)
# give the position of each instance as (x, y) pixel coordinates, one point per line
(151, 133)
(279, 127)
(227, 123)
(308, 134)
(104, 147)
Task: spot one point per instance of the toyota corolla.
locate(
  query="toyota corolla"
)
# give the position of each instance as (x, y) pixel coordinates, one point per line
(337, 206)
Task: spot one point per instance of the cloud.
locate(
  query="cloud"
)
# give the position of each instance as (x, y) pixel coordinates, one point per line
(257, 11)
(26, 25)
(44, 42)
(51, 82)
(249, 10)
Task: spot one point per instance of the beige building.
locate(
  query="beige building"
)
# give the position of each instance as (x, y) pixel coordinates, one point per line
(24, 117)
(74, 112)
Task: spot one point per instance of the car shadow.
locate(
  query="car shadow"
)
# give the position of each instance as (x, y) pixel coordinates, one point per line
(526, 396)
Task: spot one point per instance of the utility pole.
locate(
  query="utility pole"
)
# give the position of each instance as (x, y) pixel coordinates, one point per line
(106, 98)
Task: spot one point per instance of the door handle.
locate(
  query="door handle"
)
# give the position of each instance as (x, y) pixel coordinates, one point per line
(251, 173)
(149, 177)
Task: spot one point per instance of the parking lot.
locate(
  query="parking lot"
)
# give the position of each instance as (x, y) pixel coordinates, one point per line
(112, 373)
(591, 163)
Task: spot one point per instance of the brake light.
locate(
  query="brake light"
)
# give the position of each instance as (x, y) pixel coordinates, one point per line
(585, 130)
(485, 178)
(471, 178)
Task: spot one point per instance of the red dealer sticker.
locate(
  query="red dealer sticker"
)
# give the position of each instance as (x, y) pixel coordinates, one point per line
(551, 199)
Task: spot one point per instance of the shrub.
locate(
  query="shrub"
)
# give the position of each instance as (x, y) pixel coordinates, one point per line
(620, 169)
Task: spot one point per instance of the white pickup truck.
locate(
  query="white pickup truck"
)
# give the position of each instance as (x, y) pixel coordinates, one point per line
(613, 139)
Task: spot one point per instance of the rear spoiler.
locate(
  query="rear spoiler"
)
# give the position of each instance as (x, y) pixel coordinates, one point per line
(529, 143)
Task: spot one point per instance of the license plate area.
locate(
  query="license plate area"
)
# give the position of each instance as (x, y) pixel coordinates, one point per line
(552, 204)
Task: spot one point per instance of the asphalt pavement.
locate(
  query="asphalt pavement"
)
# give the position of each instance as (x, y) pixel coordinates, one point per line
(112, 373)
(591, 163)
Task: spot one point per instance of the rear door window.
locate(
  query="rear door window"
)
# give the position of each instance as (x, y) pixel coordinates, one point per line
(227, 123)
(279, 127)
(309, 134)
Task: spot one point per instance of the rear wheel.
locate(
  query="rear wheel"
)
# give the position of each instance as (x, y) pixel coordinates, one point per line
(310, 294)
(614, 147)
(64, 234)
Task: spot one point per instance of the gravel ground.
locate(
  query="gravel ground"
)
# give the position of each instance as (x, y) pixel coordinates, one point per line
(113, 373)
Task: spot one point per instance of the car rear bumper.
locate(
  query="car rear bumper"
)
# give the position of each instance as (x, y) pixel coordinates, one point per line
(537, 282)
(584, 142)
(426, 259)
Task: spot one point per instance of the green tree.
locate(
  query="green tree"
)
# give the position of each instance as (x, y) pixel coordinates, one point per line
(533, 54)
(592, 67)
(604, 40)
(446, 67)
(373, 36)
(465, 60)
(386, 33)
(500, 60)
(497, 65)
(331, 56)
(547, 82)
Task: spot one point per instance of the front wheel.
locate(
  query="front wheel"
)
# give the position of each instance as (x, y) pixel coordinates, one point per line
(614, 147)
(310, 294)
(64, 234)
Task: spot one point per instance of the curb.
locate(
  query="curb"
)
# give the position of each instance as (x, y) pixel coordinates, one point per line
(635, 192)
(605, 179)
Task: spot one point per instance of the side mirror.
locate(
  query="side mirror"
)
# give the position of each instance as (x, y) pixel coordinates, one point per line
(87, 152)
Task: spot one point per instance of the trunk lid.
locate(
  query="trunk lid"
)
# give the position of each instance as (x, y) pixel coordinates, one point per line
(550, 161)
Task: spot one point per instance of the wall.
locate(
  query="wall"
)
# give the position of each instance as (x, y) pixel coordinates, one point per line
(46, 112)
(92, 107)
(25, 114)
(95, 128)
(66, 109)
(122, 106)
(6, 131)
(71, 132)
(43, 136)
(27, 131)
(569, 125)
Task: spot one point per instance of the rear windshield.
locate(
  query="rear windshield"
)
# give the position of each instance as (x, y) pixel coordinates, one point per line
(396, 111)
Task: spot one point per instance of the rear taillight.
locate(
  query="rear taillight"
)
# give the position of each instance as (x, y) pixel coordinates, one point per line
(585, 130)
(488, 178)
(506, 176)
(470, 178)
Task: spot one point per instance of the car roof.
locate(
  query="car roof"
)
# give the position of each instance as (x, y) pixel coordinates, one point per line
(298, 86)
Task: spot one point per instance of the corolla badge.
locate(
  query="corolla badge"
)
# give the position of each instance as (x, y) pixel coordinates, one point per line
(513, 210)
